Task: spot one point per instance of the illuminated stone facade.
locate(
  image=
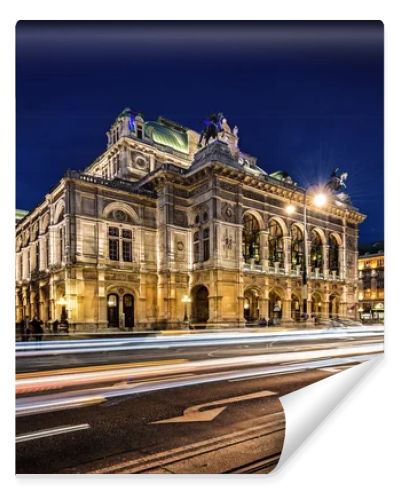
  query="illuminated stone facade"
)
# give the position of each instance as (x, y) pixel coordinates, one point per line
(371, 292)
(156, 219)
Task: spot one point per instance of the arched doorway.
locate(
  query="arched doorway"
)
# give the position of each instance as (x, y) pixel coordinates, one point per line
(200, 308)
(112, 310)
(316, 305)
(295, 307)
(129, 310)
(334, 302)
(251, 305)
(275, 307)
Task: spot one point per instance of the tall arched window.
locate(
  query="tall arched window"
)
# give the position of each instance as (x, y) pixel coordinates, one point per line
(316, 253)
(297, 247)
(333, 253)
(275, 243)
(251, 239)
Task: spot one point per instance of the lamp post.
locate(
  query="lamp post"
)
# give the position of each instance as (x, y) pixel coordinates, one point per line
(186, 300)
(320, 199)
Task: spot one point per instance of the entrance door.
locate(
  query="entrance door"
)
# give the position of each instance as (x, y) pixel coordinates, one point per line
(129, 310)
(275, 307)
(112, 310)
(200, 304)
(251, 306)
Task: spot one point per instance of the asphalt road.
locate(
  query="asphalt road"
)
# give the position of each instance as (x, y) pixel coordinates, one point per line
(204, 408)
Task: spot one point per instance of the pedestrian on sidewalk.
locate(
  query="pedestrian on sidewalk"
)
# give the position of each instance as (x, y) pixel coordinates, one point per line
(37, 328)
(26, 330)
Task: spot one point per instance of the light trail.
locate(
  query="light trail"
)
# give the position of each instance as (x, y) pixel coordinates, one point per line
(63, 380)
(97, 368)
(51, 348)
(72, 399)
(50, 432)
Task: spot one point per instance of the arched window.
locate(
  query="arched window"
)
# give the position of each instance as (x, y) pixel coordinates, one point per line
(251, 239)
(275, 243)
(333, 253)
(297, 247)
(316, 253)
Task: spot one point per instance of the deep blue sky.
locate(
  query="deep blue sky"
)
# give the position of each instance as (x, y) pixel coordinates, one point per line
(306, 96)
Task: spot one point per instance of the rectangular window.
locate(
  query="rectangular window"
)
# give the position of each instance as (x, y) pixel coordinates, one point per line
(47, 251)
(37, 257)
(113, 231)
(126, 251)
(127, 234)
(61, 235)
(113, 249)
(196, 253)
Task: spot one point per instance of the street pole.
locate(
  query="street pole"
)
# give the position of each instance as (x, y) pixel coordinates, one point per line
(305, 271)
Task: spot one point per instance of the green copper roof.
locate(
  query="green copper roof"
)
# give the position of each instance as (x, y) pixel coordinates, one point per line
(167, 136)
(279, 175)
(19, 214)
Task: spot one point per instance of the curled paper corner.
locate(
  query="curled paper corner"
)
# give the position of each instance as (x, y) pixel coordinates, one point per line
(306, 408)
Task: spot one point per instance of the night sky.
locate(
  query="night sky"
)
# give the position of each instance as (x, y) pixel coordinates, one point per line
(307, 96)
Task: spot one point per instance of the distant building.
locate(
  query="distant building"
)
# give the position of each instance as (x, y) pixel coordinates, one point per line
(20, 214)
(371, 290)
(163, 226)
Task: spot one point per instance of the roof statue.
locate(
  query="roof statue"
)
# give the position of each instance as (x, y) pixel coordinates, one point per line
(213, 125)
(337, 185)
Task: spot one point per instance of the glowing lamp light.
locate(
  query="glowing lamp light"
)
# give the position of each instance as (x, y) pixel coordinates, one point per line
(320, 200)
(186, 299)
(62, 302)
(290, 209)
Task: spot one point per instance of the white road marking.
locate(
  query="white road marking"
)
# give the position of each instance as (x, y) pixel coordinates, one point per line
(50, 432)
(193, 413)
(273, 422)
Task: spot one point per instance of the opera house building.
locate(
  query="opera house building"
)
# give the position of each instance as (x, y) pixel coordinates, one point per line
(168, 228)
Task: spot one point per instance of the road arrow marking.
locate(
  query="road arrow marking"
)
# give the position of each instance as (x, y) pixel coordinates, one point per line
(194, 413)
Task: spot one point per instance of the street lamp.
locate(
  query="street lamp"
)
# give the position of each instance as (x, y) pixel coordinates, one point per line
(320, 199)
(63, 303)
(186, 300)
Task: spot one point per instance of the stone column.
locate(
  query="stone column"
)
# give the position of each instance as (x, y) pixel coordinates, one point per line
(325, 306)
(325, 260)
(264, 249)
(287, 251)
(287, 305)
(286, 310)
